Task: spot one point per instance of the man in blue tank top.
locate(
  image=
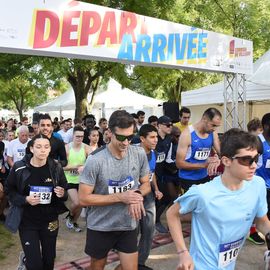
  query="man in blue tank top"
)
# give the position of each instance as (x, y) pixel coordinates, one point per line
(193, 153)
(222, 209)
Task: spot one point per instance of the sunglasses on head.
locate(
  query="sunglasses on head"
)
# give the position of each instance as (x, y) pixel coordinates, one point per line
(122, 138)
(247, 160)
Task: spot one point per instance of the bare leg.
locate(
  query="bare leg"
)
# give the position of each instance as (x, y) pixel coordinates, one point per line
(98, 264)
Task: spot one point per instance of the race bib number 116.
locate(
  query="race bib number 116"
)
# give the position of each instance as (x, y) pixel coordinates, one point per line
(228, 252)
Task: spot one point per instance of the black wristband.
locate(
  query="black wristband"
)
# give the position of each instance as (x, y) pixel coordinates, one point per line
(138, 191)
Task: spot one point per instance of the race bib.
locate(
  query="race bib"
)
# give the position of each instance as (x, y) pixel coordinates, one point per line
(20, 153)
(202, 154)
(44, 193)
(160, 157)
(228, 252)
(120, 186)
(74, 172)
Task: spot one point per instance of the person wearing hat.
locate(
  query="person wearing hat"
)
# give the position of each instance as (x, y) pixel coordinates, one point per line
(162, 149)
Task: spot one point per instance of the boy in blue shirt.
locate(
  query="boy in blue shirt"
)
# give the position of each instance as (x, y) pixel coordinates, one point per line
(223, 209)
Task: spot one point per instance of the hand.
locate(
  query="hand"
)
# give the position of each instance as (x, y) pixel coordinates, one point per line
(158, 194)
(3, 169)
(185, 262)
(33, 199)
(80, 169)
(212, 167)
(130, 197)
(59, 191)
(136, 210)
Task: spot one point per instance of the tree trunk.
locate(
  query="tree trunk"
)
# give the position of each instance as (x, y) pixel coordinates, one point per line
(20, 114)
(94, 90)
(81, 104)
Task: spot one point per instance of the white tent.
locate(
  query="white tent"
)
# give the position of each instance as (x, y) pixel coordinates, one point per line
(115, 97)
(257, 93)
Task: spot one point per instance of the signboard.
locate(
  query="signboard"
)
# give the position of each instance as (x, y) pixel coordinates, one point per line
(64, 28)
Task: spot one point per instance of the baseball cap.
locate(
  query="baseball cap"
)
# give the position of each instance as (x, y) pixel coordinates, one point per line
(164, 120)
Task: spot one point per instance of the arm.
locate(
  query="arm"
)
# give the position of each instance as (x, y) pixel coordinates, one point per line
(263, 224)
(12, 190)
(216, 143)
(87, 150)
(175, 227)
(145, 187)
(10, 161)
(62, 155)
(87, 198)
(61, 188)
(183, 145)
(158, 194)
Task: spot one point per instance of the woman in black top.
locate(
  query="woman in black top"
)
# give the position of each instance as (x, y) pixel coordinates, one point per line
(38, 184)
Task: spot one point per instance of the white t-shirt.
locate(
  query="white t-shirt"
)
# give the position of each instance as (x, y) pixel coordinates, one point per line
(69, 136)
(16, 149)
(63, 135)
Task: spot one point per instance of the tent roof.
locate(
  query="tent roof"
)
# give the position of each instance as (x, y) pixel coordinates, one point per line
(114, 97)
(257, 87)
(64, 102)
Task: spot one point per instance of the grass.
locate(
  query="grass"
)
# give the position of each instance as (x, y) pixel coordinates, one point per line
(7, 240)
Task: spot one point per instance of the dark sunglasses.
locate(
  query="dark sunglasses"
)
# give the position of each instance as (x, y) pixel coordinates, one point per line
(122, 138)
(247, 160)
(167, 125)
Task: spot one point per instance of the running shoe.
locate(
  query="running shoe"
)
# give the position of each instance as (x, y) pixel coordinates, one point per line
(69, 223)
(76, 227)
(267, 260)
(21, 265)
(256, 239)
(160, 228)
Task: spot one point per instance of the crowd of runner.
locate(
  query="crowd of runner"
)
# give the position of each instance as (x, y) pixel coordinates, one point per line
(123, 174)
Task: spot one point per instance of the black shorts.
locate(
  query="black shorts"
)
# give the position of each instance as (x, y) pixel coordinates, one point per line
(98, 244)
(186, 184)
(72, 186)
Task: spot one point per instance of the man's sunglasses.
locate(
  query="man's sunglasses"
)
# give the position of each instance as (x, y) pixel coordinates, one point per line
(168, 125)
(122, 138)
(247, 160)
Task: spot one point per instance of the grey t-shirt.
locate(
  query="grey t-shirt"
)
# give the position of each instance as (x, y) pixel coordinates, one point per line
(110, 175)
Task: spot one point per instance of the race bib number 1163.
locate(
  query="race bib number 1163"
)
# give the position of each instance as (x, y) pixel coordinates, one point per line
(121, 185)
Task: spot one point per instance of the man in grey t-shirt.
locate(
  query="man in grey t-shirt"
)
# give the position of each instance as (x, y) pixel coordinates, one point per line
(112, 186)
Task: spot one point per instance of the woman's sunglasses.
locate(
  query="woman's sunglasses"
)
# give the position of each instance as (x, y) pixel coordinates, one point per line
(247, 160)
(122, 138)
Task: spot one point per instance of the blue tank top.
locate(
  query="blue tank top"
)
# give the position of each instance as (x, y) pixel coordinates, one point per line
(152, 163)
(263, 166)
(198, 152)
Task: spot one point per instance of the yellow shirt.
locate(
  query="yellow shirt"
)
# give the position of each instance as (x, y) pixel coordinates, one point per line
(181, 126)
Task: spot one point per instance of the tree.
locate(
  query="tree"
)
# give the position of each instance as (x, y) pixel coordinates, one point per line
(20, 94)
(23, 84)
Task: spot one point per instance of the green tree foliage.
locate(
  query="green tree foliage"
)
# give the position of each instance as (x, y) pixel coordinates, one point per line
(23, 84)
